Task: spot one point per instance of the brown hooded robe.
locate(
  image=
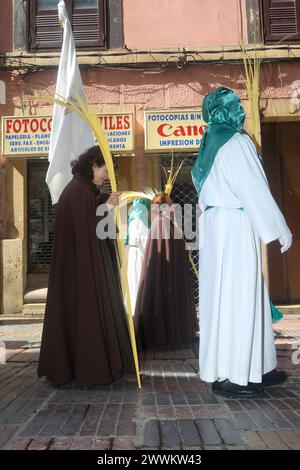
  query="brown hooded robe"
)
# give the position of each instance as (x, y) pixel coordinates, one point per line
(85, 335)
(165, 314)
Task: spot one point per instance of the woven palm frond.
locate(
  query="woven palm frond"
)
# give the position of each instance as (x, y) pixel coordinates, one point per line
(129, 196)
(172, 176)
(251, 79)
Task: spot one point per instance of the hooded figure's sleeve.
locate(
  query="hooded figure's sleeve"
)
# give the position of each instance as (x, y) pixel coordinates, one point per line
(249, 183)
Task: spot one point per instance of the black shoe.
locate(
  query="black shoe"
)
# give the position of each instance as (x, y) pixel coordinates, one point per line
(229, 389)
(274, 377)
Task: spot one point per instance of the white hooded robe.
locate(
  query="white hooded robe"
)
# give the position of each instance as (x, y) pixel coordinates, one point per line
(236, 335)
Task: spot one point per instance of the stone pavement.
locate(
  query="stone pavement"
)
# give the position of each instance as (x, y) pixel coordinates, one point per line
(174, 410)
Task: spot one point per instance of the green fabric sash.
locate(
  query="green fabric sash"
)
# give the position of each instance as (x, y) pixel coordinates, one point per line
(276, 314)
(225, 116)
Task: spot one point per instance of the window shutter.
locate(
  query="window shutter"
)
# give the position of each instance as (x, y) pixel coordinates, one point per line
(88, 25)
(45, 31)
(281, 20)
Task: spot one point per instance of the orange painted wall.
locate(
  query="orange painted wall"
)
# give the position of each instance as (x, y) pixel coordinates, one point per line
(183, 23)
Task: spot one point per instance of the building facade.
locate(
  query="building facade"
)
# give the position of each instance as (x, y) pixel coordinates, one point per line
(145, 67)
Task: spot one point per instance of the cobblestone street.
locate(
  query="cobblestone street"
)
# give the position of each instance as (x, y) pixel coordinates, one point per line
(174, 410)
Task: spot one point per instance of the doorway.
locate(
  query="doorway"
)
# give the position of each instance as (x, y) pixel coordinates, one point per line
(281, 154)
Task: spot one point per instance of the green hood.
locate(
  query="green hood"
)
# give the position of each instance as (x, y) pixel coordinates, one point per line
(225, 116)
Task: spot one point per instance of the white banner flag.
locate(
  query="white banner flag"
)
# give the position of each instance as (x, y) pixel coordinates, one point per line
(70, 135)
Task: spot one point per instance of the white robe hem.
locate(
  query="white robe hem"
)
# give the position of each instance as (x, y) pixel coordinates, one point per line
(239, 380)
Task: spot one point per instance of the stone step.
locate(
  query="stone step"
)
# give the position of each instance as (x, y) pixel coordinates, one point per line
(289, 309)
(35, 295)
(34, 309)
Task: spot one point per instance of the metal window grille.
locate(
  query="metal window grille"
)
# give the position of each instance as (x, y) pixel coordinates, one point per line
(41, 218)
(184, 193)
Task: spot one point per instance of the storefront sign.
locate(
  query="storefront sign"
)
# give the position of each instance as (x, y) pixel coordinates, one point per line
(119, 131)
(173, 130)
(28, 135)
(25, 135)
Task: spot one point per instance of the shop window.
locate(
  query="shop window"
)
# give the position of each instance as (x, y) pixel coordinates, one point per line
(41, 218)
(281, 21)
(87, 17)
